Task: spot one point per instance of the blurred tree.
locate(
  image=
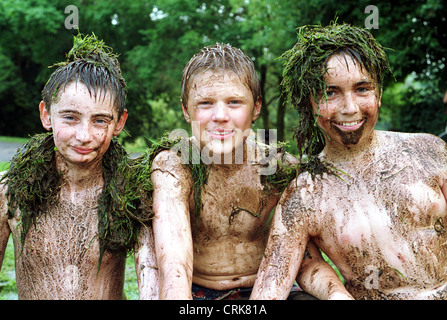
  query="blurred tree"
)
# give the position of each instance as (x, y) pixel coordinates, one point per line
(157, 37)
(267, 29)
(24, 57)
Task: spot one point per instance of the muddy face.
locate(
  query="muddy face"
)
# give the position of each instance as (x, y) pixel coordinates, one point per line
(83, 125)
(351, 110)
(221, 111)
(350, 137)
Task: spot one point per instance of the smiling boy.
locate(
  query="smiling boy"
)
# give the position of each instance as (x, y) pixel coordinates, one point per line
(214, 246)
(57, 199)
(373, 201)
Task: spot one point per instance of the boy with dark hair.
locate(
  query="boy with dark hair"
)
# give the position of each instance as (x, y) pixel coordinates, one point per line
(373, 201)
(212, 217)
(70, 199)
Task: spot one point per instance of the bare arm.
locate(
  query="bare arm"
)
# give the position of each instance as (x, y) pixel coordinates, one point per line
(146, 265)
(172, 230)
(319, 278)
(283, 255)
(4, 226)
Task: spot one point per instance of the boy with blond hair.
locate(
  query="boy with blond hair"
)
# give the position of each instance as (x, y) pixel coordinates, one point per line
(212, 218)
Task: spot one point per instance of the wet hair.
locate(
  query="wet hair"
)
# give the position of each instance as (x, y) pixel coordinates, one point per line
(306, 65)
(226, 58)
(92, 63)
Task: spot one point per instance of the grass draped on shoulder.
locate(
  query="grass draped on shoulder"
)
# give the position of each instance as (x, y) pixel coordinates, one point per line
(276, 182)
(190, 154)
(125, 204)
(34, 184)
(284, 174)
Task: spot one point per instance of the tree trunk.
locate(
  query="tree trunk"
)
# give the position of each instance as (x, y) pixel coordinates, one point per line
(264, 110)
(280, 116)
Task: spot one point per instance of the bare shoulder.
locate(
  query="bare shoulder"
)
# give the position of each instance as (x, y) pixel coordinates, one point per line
(421, 144)
(300, 197)
(422, 139)
(287, 158)
(3, 199)
(167, 158)
(277, 152)
(3, 184)
(169, 164)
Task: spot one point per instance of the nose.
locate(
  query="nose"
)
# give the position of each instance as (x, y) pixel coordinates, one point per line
(83, 132)
(350, 106)
(220, 113)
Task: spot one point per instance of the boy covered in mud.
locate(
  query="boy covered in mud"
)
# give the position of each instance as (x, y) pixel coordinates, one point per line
(212, 218)
(63, 199)
(373, 201)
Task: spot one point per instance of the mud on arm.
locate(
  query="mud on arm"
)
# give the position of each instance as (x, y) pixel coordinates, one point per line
(146, 265)
(283, 254)
(319, 279)
(4, 226)
(172, 231)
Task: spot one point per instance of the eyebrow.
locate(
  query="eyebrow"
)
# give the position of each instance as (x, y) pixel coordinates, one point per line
(68, 111)
(365, 81)
(105, 115)
(361, 82)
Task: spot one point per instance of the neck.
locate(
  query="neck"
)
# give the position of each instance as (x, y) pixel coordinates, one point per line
(77, 177)
(236, 158)
(336, 153)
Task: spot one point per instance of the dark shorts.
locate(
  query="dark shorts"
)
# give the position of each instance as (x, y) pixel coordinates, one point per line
(202, 293)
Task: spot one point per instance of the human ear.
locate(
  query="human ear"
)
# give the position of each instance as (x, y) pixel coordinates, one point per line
(121, 123)
(257, 109)
(379, 98)
(44, 116)
(186, 114)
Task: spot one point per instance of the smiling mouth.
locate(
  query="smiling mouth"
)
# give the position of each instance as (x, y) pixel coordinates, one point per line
(349, 125)
(82, 150)
(220, 134)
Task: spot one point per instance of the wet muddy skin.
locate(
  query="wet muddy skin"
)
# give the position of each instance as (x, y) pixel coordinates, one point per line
(60, 255)
(382, 218)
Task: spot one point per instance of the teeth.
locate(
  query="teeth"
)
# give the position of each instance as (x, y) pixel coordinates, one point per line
(220, 132)
(349, 124)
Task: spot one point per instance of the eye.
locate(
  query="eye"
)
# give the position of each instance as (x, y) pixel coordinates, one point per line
(204, 104)
(100, 122)
(330, 93)
(362, 89)
(69, 118)
(234, 102)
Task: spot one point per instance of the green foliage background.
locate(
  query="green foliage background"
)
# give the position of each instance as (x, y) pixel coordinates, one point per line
(155, 39)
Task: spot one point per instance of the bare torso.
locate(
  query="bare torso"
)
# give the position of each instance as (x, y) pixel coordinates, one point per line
(382, 221)
(61, 254)
(233, 227)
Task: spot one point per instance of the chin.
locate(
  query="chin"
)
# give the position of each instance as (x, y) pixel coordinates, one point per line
(222, 153)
